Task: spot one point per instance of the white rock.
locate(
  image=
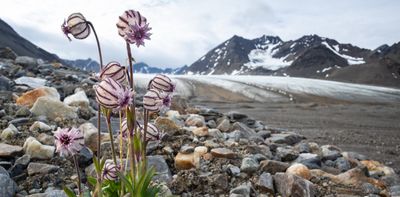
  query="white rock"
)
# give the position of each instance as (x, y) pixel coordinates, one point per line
(79, 99)
(172, 114)
(31, 82)
(36, 150)
(39, 126)
(53, 109)
(9, 132)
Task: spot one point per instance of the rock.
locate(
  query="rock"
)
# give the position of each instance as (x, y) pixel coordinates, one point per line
(187, 161)
(7, 186)
(245, 131)
(312, 161)
(172, 114)
(236, 116)
(299, 170)
(23, 112)
(292, 185)
(186, 149)
(53, 109)
(201, 150)
(79, 99)
(286, 153)
(354, 155)
(272, 166)
(285, 138)
(216, 133)
(38, 126)
(163, 174)
(5, 83)
(31, 82)
(264, 134)
(20, 165)
(26, 61)
(342, 164)
(201, 131)
(375, 166)
(219, 181)
(330, 152)
(249, 165)
(90, 135)
(233, 170)
(36, 150)
(368, 188)
(265, 183)
(7, 150)
(195, 120)
(41, 168)
(241, 190)
(302, 147)
(55, 193)
(85, 157)
(224, 125)
(46, 139)
(7, 133)
(166, 125)
(211, 124)
(30, 97)
(179, 104)
(7, 53)
(223, 153)
(211, 143)
(19, 121)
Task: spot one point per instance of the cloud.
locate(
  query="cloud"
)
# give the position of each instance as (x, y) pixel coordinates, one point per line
(184, 30)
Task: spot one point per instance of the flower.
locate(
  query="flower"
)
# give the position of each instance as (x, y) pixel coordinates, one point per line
(162, 82)
(110, 171)
(76, 25)
(68, 141)
(133, 27)
(153, 133)
(115, 71)
(156, 100)
(112, 95)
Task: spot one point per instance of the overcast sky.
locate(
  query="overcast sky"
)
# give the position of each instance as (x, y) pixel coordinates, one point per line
(184, 30)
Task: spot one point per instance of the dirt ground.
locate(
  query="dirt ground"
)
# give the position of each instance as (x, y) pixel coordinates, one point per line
(370, 129)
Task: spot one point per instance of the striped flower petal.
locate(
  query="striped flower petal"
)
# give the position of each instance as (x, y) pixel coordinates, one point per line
(163, 83)
(110, 172)
(115, 71)
(112, 95)
(153, 100)
(133, 27)
(77, 26)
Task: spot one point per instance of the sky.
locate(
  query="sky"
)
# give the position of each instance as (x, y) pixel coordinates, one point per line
(185, 30)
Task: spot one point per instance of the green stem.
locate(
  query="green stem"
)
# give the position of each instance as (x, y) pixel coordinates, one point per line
(112, 139)
(98, 44)
(128, 49)
(79, 176)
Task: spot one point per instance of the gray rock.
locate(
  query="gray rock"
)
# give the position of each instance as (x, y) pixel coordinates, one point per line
(39, 126)
(242, 190)
(330, 152)
(55, 193)
(186, 149)
(224, 125)
(223, 153)
(342, 164)
(245, 131)
(392, 182)
(19, 121)
(7, 150)
(7, 53)
(41, 168)
(264, 134)
(31, 82)
(285, 138)
(24, 160)
(312, 161)
(216, 133)
(26, 61)
(265, 183)
(5, 83)
(53, 109)
(236, 115)
(85, 156)
(292, 185)
(272, 166)
(302, 147)
(211, 124)
(37, 150)
(233, 170)
(354, 155)
(3, 171)
(249, 165)
(259, 149)
(368, 188)
(7, 186)
(161, 167)
(195, 120)
(23, 112)
(286, 153)
(20, 165)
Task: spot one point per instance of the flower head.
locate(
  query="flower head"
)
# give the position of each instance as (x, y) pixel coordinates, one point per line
(77, 26)
(163, 83)
(156, 100)
(153, 133)
(112, 95)
(68, 141)
(133, 27)
(110, 171)
(115, 71)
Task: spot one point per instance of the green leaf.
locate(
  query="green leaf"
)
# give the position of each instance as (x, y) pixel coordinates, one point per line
(92, 181)
(96, 164)
(126, 182)
(69, 192)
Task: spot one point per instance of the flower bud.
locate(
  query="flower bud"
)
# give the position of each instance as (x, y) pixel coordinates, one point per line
(77, 26)
(115, 71)
(162, 82)
(110, 171)
(154, 100)
(112, 95)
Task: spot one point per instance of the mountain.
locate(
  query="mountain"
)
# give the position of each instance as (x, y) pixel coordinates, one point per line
(86, 65)
(21, 46)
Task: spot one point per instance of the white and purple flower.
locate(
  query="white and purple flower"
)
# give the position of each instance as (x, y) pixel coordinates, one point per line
(69, 141)
(77, 26)
(156, 100)
(113, 95)
(133, 27)
(153, 133)
(115, 71)
(163, 83)
(110, 172)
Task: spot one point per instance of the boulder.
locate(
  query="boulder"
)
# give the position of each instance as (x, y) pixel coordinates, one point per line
(161, 167)
(265, 183)
(31, 82)
(249, 165)
(291, 185)
(299, 170)
(53, 109)
(36, 150)
(30, 97)
(7, 150)
(79, 99)
(224, 125)
(26, 61)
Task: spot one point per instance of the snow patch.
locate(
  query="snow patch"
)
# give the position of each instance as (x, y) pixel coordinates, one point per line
(326, 69)
(264, 58)
(202, 58)
(394, 76)
(350, 60)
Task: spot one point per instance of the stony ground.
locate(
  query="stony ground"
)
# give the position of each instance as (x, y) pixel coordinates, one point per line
(206, 152)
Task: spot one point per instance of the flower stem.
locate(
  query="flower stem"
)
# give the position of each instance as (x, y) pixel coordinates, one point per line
(98, 44)
(79, 175)
(112, 140)
(128, 49)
